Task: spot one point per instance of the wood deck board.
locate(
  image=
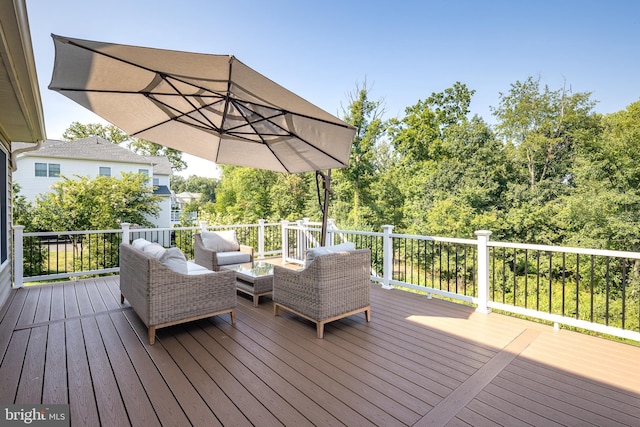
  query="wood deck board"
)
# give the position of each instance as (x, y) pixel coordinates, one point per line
(30, 387)
(304, 358)
(54, 389)
(75, 343)
(347, 371)
(271, 405)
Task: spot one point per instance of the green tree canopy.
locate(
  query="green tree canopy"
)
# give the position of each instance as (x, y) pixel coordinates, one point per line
(101, 203)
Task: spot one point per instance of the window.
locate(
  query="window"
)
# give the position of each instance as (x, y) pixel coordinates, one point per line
(105, 171)
(48, 169)
(156, 181)
(4, 197)
(41, 169)
(144, 172)
(54, 169)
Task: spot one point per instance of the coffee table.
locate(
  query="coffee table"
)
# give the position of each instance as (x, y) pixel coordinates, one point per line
(256, 280)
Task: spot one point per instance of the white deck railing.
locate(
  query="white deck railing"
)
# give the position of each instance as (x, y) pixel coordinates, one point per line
(479, 271)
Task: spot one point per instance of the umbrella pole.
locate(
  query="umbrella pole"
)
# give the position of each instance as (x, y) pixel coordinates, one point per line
(326, 180)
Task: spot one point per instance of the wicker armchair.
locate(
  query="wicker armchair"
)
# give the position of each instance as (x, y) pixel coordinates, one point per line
(162, 297)
(333, 286)
(214, 260)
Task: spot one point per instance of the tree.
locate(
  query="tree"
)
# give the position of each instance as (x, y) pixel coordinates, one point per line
(352, 185)
(544, 126)
(96, 204)
(111, 133)
(604, 209)
(543, 130)
(196, 184)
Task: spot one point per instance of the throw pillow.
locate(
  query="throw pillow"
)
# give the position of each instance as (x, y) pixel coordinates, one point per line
(140, 243)
(174, 259)
(220, 241)
(155, 250)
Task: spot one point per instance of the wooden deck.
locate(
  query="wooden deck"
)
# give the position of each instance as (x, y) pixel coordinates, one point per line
(419, 362)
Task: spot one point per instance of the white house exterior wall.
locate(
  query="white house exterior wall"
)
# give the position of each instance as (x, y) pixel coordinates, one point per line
(32, 185)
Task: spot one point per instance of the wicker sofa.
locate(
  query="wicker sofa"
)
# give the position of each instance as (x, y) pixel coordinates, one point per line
(331, 287)
(214, 260)
(163, 297)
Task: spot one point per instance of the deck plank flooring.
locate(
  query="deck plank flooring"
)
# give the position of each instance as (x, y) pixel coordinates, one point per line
(418, 362)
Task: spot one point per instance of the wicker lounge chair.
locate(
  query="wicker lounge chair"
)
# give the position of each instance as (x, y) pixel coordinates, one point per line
(331, 287)
(214, 260)
(162, 297)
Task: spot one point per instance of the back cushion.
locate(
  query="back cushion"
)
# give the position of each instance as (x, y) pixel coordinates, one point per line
(155, 250)
(174, 259)
(140, 243)
(220, 241)
(325, 250)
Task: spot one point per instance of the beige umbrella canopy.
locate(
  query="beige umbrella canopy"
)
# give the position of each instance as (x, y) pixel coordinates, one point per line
(211, 106)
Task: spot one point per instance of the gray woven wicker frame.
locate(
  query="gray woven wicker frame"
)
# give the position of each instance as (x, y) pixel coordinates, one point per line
(208, 258)
(330, 288)
(162, 297)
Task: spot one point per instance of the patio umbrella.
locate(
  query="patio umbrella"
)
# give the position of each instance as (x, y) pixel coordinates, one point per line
(211, 106)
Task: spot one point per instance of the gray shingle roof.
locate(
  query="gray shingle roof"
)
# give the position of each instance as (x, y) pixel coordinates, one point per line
(92, 148)
(161, 165)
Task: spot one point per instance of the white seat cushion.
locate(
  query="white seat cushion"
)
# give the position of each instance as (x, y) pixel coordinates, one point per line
(195, 269)
(235, 257)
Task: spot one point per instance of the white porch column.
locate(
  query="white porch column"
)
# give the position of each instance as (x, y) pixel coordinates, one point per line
(483, 271)
(18, 256)
(125, 232)
(261, 238)
(387, 257)
(285, 241)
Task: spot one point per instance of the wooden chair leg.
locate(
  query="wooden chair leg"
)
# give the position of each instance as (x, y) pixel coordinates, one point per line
(121, 298)
(367, 314)
(320, 329)
(233, 316)
(152, 335)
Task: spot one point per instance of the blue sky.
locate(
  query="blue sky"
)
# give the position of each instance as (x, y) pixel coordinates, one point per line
(404, 50)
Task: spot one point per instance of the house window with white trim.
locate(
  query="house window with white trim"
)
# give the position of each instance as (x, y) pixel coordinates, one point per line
(54, 170)
(105, 171)
(51, 170)
(41, 169)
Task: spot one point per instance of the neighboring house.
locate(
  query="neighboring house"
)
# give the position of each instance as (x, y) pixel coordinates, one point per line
(21, 117)
(38, 169)
(180, 200)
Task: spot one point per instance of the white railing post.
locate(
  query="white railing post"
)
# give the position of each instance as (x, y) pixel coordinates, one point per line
(387, 257)
(285, 240)
(302, 237)
(483, 271)
(203, 226)
(125, 232)
(18, 248)
(261, 238)
(331, 225)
